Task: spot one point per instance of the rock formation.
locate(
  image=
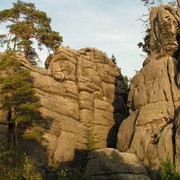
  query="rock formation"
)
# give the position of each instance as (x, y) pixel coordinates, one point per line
(154, 98)
(80, 91)
(111, 164)
(82, 94)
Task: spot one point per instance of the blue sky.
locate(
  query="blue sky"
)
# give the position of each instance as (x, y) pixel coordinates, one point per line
(109, 25)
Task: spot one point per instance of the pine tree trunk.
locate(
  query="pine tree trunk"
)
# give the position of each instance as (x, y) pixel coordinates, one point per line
(26, 52)
(178, 3)
(15, 133)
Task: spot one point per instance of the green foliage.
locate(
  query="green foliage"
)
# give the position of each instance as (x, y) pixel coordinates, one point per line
(97, 95)
(14, 164)
(18, 93)
(168, 171)
(113, 58)
(146, 44)
(56, 172)
(26, 25)
(34, 132)
(90, 136)
(155, 2)
(151, 2)
(77, 172)
(17, 90)
(126, 82)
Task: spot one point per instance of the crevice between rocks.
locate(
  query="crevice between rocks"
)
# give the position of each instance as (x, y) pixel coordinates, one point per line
(170, 84)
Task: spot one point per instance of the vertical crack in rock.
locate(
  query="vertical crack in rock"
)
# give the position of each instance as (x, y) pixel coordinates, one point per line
(171, 76)
(134, 129)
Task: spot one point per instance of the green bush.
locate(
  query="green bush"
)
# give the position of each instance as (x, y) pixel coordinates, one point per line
(57, 172)
(15, 165)
(91, 139)
(168, 171)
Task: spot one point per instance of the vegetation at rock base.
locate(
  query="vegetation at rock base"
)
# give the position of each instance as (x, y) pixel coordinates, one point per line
(27, 25)
(90, 137)
(76, 172)
(18, 96)
(56, 172)
(168, 171)
(15, 164)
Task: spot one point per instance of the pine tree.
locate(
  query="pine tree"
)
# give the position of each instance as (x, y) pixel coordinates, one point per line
(26, 25)
(18, 94)
(146, 44)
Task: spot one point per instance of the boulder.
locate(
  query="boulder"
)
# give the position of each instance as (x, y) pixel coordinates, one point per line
(109, 163)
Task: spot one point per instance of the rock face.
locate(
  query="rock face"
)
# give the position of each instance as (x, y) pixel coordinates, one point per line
(154, 98)
(83, 96)
(78, 93)
(164, 23)
(111, 164)
(165, 34)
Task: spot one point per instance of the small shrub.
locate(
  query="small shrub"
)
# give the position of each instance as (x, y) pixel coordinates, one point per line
(56, 172)
(168, 171)
(14, 164)
(97, 95)
(34, 132)
(91, 139)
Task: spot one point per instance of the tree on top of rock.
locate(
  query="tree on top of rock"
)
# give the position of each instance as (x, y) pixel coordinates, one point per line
(27, 25)
(113, 59)
(153, 2)
(18, 95)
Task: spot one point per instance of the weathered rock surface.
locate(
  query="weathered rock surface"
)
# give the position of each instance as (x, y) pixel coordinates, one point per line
(78, 90)
(154, 97)
(111, 164)
(164, 23)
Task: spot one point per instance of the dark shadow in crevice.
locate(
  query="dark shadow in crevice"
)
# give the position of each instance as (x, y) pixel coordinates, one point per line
(74, 169)
(176, 55)
(120, 109)
(37, 150)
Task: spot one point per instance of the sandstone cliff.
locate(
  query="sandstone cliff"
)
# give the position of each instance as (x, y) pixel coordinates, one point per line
(154, 98)
(83, 92)
(80, 91)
